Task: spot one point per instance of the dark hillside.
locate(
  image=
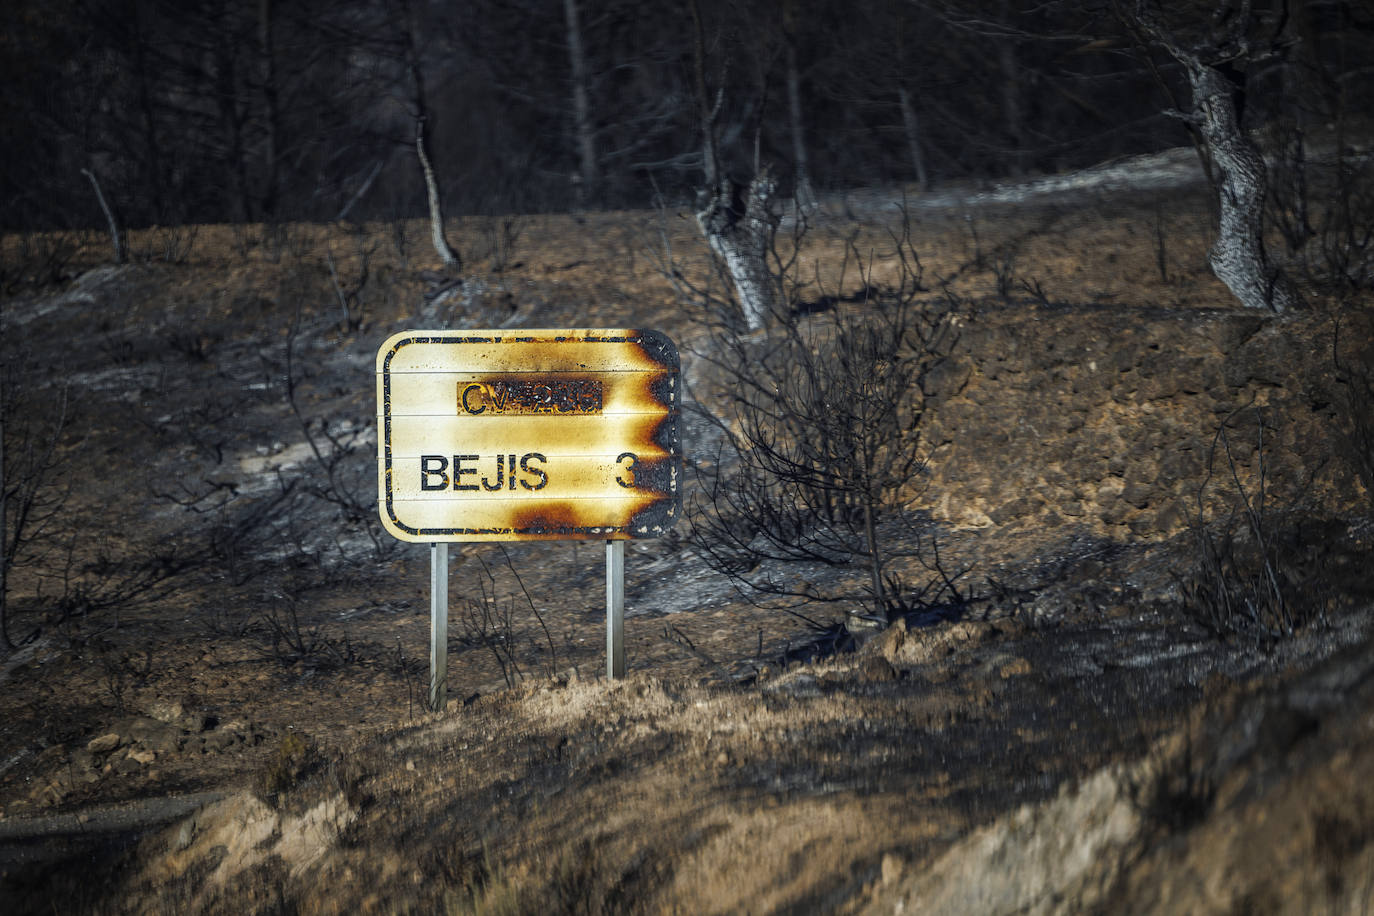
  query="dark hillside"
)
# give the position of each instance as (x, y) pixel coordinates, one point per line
(1119, 464)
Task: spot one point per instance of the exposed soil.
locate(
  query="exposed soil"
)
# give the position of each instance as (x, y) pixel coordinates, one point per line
(1067, 738)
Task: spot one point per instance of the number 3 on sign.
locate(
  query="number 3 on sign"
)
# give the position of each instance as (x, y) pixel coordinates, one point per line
(629, 469)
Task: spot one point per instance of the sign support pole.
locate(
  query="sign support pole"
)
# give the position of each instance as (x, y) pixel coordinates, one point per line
(438, 625)
(615, 610)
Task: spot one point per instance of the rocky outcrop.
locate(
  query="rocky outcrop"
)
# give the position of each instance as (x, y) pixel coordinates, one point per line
(140, 746)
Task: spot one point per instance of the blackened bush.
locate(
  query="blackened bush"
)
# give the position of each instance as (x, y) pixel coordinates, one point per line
(820, 419)
(1246, 579)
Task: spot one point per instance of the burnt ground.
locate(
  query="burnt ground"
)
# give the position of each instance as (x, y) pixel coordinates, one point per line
(213, 610)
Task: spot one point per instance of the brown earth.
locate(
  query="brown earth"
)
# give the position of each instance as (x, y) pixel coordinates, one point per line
(1068, 739)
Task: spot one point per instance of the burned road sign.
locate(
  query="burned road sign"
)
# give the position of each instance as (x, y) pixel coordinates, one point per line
(528, 435)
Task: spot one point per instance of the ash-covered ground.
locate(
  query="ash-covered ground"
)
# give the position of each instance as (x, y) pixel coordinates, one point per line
(216, 703)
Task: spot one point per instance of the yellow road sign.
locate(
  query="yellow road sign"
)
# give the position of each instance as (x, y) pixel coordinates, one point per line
(528, 435)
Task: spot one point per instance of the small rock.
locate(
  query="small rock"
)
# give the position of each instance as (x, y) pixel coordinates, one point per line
(143, 757)
(1016, 508)
(889, 644)
(410, 764)
(801, 686)
(146, 732)
(221, 740)
(892, 868)
(127, 765)
(1139, 491)
(48, 793)
(168, 711)
(875, 669)
(167, 741)
(104, 744)
(862, 627)
(185, 834)
(722, 759)
(54, 752)
(1016, 666)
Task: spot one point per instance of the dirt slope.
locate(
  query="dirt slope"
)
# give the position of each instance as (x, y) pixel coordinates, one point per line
(1065, 740)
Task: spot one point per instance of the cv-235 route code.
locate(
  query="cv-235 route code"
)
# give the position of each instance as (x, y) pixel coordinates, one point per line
(526, 435)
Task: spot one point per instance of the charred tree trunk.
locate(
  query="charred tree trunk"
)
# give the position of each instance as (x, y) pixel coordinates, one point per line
(272, 119)
(739, 224)
(738, 221)
(1238, 258)
(1012, 108)
(420, 109)
(875, 559)
(706, 111)
(121, 251)
(152, 149)
(436, 206)
(5, 639)
(805, 193)
(903, 24)
(912, 126)
(588, 179)
(228, 93)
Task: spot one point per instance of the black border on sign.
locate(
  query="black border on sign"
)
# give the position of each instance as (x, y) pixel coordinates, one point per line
(655, 517)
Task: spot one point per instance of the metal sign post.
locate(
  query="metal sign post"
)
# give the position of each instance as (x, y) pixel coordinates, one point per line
(438, 625)
(499, 435)
(615, 609)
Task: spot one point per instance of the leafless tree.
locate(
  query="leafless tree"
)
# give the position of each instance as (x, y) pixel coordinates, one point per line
(583, 128)
(421, 113)
(1010, 78)
(272, 114)
(902, 44)
(1213, 55)
(804, 192)
(117, 241)
(738, 219)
